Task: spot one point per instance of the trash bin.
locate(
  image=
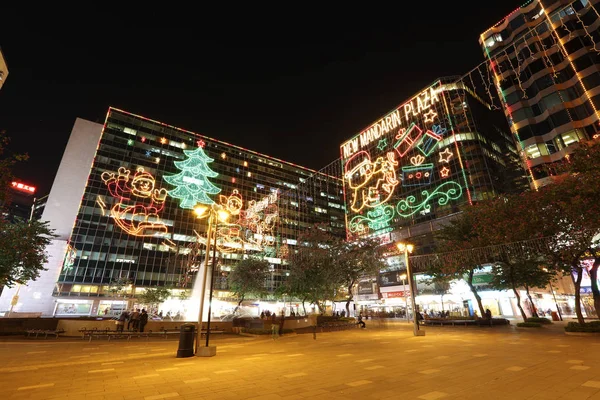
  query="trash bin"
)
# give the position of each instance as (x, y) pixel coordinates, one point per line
(187, 333)
(555, 316)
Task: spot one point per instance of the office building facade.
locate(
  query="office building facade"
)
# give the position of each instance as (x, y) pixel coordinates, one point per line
(123, 206)
(545, 60)
(411, 171)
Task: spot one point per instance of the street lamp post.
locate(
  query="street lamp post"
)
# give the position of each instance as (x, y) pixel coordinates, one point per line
(408, 248)
(212, 213)
(403, 277)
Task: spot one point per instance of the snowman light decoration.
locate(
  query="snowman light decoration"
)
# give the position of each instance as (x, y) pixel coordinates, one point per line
(138, 202)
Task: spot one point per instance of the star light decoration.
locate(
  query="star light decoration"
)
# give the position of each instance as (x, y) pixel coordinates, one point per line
(446, 155)
(382, 144)
(430, 116)
(444, 172)
(201, 143)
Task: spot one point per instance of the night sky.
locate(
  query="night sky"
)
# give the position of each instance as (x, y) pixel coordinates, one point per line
(292, 84)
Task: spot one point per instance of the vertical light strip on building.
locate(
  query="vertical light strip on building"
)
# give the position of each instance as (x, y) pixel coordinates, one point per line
(456, 144)
(507, 107)
(562, 44)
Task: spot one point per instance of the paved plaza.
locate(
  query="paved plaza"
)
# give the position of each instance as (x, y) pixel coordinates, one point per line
(384, 361)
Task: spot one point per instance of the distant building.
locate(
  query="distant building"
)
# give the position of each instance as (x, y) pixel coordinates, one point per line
(122, 205)
(21, 201)
(3, 69)
(545, 59)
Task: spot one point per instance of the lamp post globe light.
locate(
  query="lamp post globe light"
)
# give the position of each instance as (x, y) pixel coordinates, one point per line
(408, 248)
(214, 213)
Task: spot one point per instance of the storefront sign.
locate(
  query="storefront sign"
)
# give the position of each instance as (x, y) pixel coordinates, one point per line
(393, 295)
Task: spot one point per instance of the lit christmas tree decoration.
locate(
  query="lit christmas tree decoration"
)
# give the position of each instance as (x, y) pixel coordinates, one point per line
(192, 184)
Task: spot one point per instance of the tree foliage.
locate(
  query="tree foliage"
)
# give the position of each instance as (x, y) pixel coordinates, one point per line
(23, 250)
(248, 278)
(6, 165)
(154, 296)
(459, 234)
(353, 260)
(313, 274)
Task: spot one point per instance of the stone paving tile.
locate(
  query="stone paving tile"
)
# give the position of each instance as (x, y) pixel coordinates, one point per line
(255, 368)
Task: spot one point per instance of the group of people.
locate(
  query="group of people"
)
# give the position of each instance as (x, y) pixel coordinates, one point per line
(136, 320)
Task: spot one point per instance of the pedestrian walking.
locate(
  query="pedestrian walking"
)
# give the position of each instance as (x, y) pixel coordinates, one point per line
(134, 319)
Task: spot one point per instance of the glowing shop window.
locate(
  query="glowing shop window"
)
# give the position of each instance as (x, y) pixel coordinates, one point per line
(320, 210)
(129, 131)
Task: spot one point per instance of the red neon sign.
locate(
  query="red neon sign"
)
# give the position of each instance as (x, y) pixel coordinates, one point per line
(22, 187)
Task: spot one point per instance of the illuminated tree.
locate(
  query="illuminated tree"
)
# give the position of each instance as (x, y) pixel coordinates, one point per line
(192, 184)
(248, 278)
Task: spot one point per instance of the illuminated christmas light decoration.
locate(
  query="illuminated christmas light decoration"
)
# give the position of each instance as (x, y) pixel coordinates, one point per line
(376, 220)
(223, 156)
(382, 144)
(232, 203)
(417, 176)
(429, 142)
(430, 116)
(143, 139)
(157, 160)
(406, 139)
(444, 172)
(372, 183)
(585, 29)
(412, 108)
(102, 204)
(445, 155)
(130, 142)
(249, 174)
(417, 160)
(201, 143)
(163, 140)
(445, 192)
(245, 163)
(562, 46)
(283, 252)
(192, 184)
(138, 202)
(462, 167)
(148, 153)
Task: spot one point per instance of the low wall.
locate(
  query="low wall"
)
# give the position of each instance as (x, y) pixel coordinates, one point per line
(72, 326)
(18, 326)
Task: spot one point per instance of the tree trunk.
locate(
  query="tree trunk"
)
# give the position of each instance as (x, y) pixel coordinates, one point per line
(350, 298)
(577, 282)
(304, 306)
(533, 307)
(516, 291)
(239, 304)
(475, 293)
(595, 290)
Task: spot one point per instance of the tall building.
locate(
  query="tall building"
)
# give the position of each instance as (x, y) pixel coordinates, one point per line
(3, 69)
(419, 163)
(122, 204)
(545, 60)
(409, 172)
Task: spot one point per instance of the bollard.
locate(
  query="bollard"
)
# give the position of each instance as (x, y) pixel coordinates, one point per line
(186, 341)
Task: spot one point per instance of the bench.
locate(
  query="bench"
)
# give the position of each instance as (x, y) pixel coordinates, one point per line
(44, 332)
